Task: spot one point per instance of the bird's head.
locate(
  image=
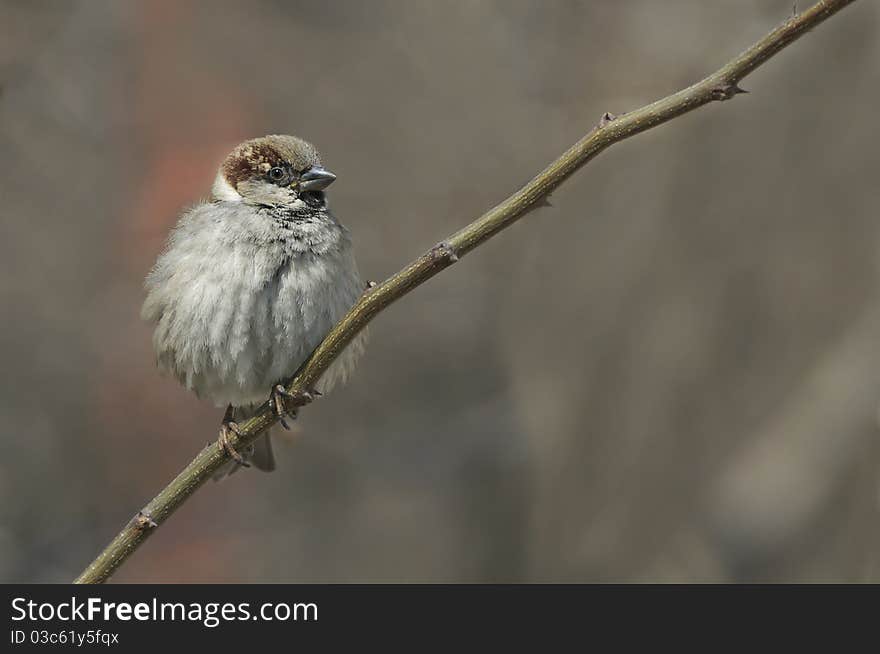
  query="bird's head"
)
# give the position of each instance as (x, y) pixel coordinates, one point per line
(275, 171)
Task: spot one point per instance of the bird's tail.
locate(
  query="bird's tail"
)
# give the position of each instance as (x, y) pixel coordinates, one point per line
(259, 454)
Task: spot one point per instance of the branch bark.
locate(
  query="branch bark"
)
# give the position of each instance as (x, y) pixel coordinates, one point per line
(720, 85)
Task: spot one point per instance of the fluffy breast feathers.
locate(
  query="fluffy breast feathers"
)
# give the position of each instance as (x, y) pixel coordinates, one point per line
(240, 298)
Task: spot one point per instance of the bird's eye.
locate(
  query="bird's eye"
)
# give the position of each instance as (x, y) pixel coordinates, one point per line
(276, 174)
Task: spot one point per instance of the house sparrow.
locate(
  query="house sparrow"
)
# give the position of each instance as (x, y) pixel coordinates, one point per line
(249, 284)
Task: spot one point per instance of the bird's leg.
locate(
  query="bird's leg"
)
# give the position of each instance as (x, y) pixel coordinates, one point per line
(227, 427)
(281, 398)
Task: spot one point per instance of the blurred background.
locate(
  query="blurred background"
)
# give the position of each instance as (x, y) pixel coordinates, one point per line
(673, 374)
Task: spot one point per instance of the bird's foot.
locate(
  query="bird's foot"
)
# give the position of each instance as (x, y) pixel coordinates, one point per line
(282, 399)
(228, 427)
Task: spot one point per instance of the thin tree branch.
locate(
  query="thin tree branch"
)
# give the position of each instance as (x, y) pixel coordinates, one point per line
(720, 85)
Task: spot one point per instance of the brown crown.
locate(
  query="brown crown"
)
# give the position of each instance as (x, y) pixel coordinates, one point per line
(254, 158)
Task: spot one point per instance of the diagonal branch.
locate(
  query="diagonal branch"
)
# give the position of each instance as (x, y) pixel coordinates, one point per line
(720, 85)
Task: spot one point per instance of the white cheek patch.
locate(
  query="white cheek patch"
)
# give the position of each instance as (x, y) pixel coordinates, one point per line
(222, 190)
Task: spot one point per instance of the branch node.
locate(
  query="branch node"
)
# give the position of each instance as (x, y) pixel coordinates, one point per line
(143, 520)
(606, 118)
(726, 91)
(443, 250)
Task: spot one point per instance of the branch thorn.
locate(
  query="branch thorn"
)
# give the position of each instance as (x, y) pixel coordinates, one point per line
(444, 249)
(726, 91)
(606, 118)
(144, 520)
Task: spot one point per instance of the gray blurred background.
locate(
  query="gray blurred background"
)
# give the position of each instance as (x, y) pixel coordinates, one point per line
(673, 374)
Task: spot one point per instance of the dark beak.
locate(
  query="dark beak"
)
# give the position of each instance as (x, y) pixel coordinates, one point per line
(316, 179)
